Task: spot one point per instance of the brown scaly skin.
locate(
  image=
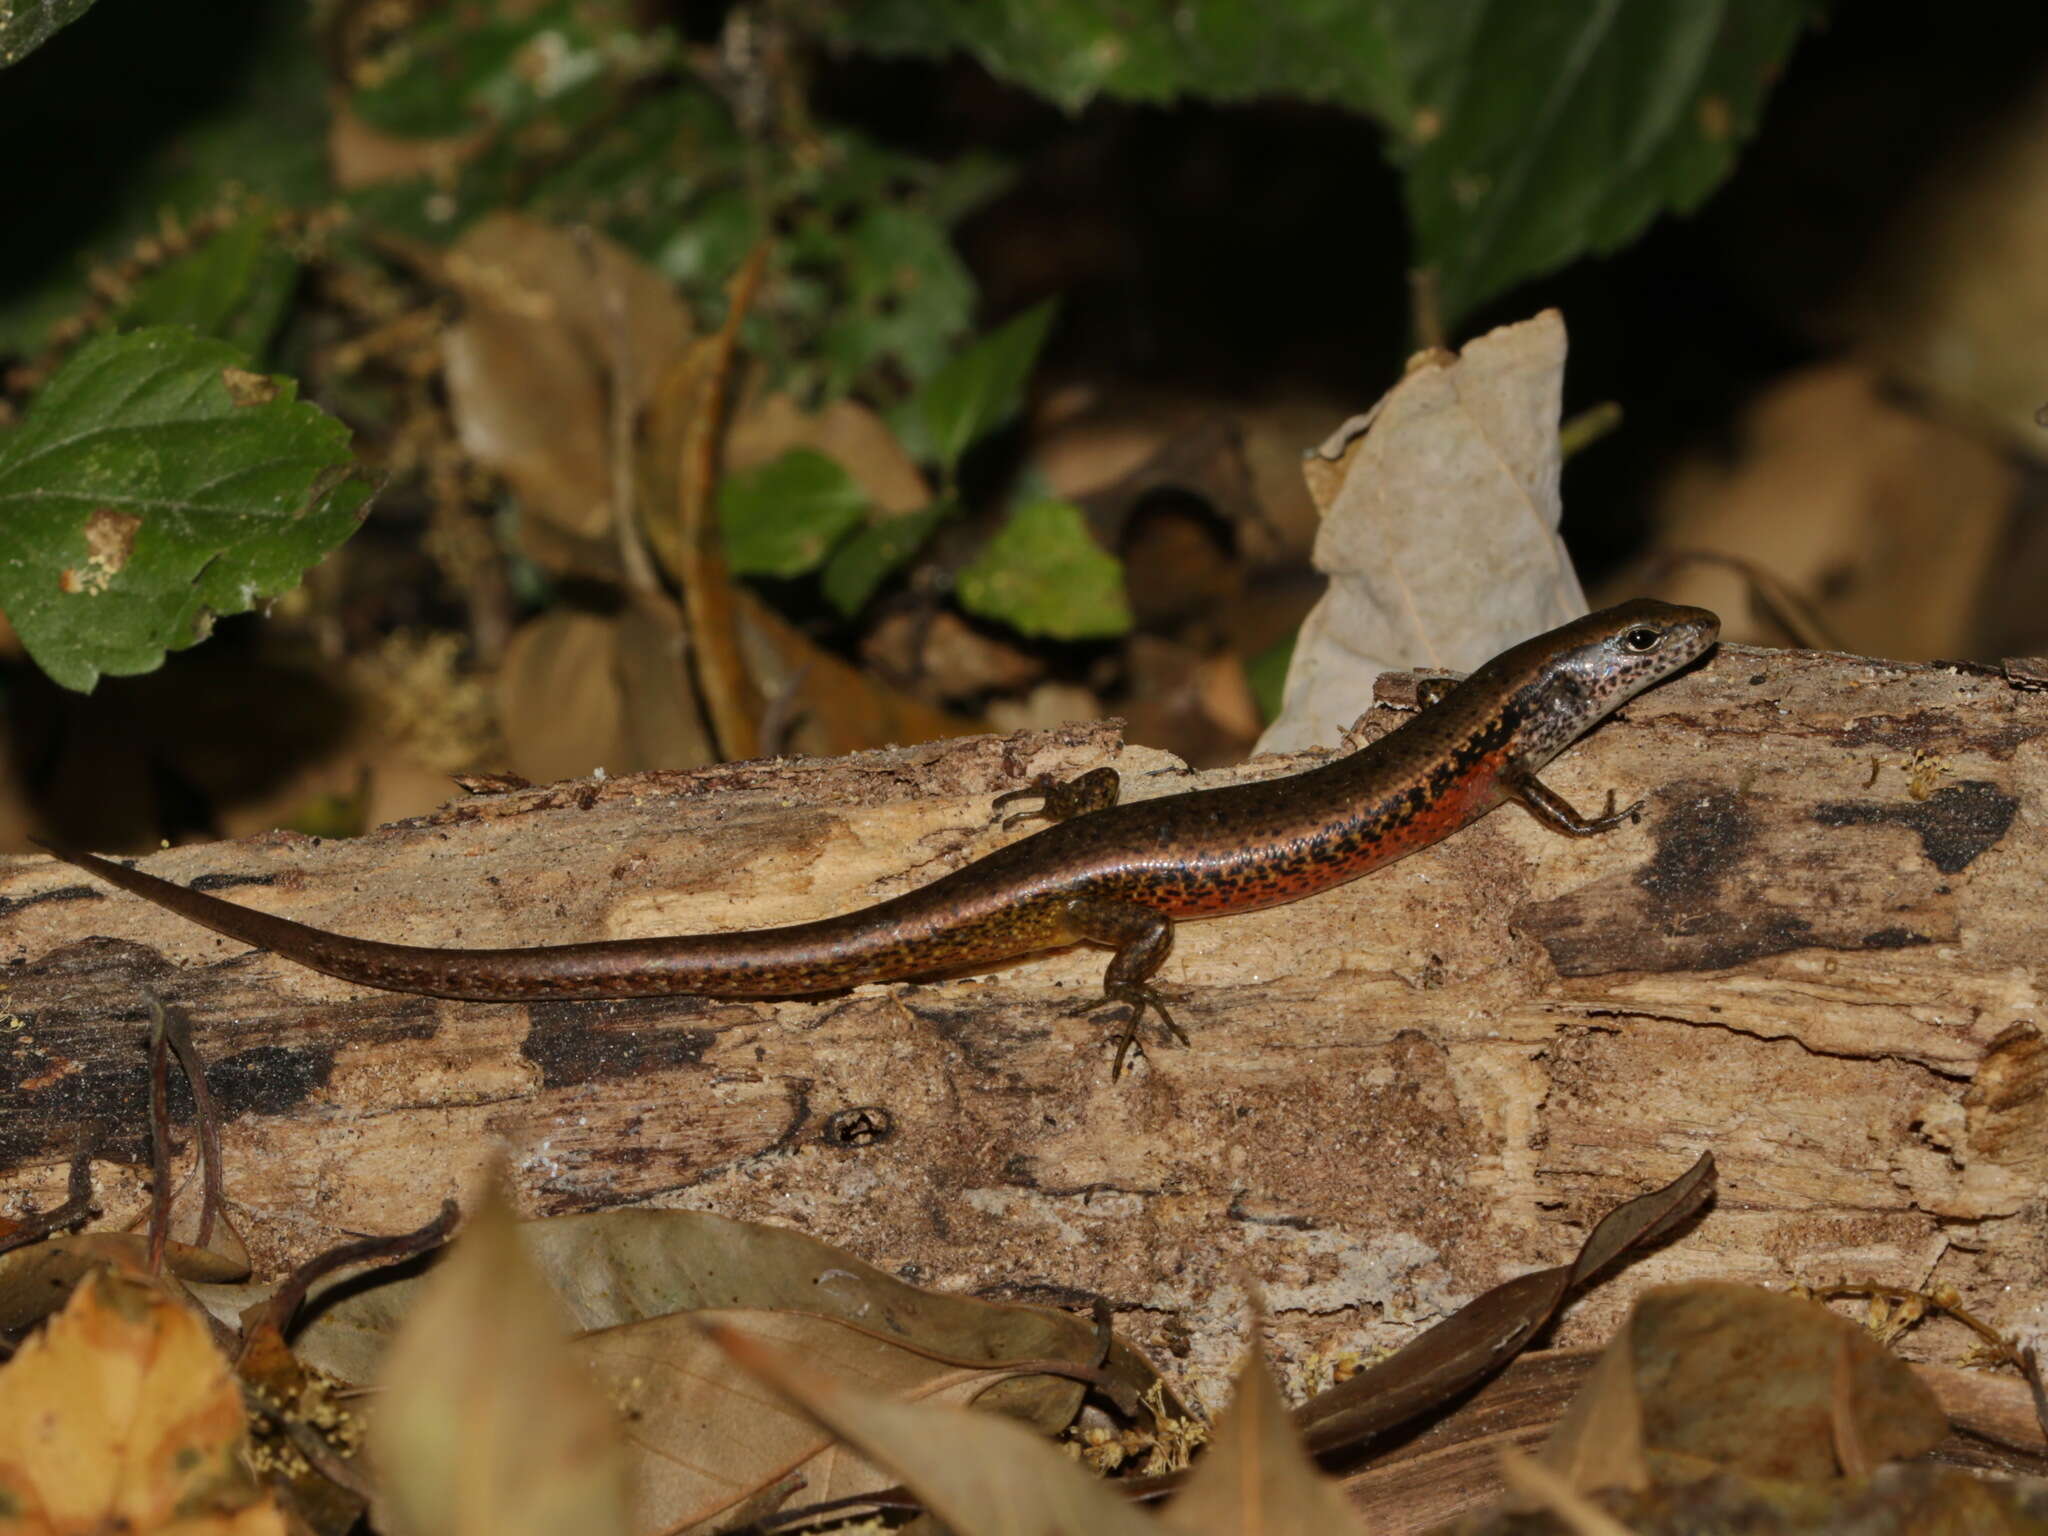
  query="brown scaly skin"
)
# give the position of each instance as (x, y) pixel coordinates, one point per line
(1104, 873)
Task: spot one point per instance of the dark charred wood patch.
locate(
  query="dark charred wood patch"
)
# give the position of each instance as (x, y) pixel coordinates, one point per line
(1954, 825)
(1936, 730)
(577, 1043)
(1895, 938)
(1702, 832)
(229, 882)
(10, 905)
(1734, 881)
(264, 1080)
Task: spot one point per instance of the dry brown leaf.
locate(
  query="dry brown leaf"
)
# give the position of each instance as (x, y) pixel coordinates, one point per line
(847, 432)
(121, 1416)
(1956, 299)
(1439, 529)
(36, 1280)
(1482, 1336)
(1747, 1379)
(559, 702)
(947, 657)
(486, 1421)
(613, 1268)
(553, 324)
(362, 156)
(1536, 1486)
(665, 728)
(1884, 520)
(832, 707)
(582, 691)
(1201, 706)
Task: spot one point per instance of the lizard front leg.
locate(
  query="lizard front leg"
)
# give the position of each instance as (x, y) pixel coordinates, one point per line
(1063, 800)
(1556, 812)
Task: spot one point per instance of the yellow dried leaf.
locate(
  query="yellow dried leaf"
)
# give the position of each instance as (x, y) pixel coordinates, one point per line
(122, 1416)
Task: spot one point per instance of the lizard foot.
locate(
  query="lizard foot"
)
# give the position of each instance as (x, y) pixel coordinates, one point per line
(1062, 800)
(1138, 997)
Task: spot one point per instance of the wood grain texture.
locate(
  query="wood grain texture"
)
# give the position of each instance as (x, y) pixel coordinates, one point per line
(1821, 955)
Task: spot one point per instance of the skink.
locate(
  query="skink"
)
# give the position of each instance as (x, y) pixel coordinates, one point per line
(1114, 875)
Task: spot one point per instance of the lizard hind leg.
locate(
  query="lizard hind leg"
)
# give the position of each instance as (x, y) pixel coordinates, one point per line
(1141, 937)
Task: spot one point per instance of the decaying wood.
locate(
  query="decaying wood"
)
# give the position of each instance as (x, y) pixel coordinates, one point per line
(1820, 955)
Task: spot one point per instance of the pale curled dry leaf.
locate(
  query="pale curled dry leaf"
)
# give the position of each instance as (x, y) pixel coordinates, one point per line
(1598, 1442)
(121, 1415)
(486, 1421)
(976, 1472)
(705, 1440)
(1537, 1486)
(1440, 527)
(1255, 1475)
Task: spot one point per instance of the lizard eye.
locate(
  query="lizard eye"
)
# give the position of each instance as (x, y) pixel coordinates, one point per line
(1642, 639)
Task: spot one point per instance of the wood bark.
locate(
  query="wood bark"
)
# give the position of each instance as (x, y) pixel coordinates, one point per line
(1821, 954)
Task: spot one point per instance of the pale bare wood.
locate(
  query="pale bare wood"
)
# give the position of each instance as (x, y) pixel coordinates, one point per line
(1821, 955)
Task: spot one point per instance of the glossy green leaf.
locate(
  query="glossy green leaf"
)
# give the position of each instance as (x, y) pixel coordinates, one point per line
(910, 295)
(1539, 133)
(236, 96)
(861, 564)
(234, 286)
(1529, 134)
(783, 518)
(1045, 576)
(154, 484)
(1155, 50)
(454, 68)
(25, 25)
(982, 387)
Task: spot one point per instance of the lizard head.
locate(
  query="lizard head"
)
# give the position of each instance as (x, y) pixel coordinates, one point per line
(1578, 674)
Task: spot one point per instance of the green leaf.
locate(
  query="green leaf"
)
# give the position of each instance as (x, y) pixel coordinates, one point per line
(25, 25)
(982, 387)
(783, 518)
(910, 293)
(551, 89)
(1529, 133)
(455, 67)
(153, 485)
(1074, 50)
(1044, 575)
(1267, 674)
(235, 287)
(1541, 132)
(861, 564)
(237, 96)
